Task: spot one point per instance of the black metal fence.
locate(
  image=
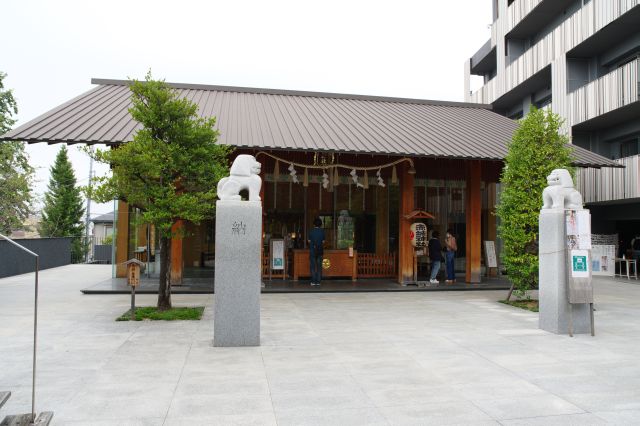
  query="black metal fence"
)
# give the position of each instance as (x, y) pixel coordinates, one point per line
(53, 252)
(92, 249)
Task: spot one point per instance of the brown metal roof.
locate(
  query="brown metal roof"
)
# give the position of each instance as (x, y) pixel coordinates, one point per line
(294, 120)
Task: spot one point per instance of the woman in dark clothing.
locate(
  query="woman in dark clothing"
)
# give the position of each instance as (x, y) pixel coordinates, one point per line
(451, 246)
(435, 255)
(316, 250)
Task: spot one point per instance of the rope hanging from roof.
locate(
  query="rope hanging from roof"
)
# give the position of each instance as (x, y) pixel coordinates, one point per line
(343, 166)
(332, 179)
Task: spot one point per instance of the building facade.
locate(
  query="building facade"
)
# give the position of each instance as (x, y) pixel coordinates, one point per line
(581, 59)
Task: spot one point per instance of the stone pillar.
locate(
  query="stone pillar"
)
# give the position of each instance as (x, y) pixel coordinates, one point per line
(553, 276)
(238, 275)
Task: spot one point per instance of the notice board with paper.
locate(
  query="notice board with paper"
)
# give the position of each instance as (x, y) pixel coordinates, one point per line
(578, 249)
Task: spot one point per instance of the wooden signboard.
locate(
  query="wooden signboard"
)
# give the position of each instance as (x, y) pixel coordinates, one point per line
(490, 254)
(133, 274)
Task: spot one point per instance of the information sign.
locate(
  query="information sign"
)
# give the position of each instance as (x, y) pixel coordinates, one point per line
(277, 254)
(490, 254)
(603, 260)
(579, 263)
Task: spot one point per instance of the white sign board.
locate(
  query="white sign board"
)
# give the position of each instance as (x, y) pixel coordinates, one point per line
(578, 229)
(579, 263)
(603, 260)
(277, 254)
(490, 254)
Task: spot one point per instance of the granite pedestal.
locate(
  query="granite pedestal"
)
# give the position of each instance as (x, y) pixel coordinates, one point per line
(553, 275)
(237, 273)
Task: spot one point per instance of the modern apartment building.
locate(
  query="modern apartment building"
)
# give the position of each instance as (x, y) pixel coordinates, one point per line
(581, 59)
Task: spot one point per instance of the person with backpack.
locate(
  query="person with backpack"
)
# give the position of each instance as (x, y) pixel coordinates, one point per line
(316, 250)
(435, 255)
(450, 256)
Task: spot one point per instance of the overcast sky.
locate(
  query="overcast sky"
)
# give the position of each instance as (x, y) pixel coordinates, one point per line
(400, 48)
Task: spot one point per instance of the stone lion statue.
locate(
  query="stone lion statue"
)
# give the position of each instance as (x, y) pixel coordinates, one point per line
(560, 194)
(244, 174)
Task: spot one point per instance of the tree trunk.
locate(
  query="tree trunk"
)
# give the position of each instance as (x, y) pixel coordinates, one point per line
(164, 287)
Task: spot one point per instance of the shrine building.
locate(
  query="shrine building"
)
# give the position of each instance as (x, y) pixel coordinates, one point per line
(368, 166)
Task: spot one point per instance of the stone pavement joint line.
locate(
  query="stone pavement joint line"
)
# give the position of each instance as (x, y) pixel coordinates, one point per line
(325, 359)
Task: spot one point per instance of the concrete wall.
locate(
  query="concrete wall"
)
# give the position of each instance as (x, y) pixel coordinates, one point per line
(53, 252)
(607, 142)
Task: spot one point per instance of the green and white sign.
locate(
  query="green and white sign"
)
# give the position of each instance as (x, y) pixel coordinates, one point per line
(277, 254)
(580, 263)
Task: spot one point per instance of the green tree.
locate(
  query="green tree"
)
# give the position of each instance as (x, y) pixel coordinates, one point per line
(16, 175)
(63, 204)
(536, 149)
(169, 170)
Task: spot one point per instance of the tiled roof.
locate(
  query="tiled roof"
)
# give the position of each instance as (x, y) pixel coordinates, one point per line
(293, 120)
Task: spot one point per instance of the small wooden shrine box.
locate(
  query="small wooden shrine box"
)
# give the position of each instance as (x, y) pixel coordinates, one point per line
(133, 271)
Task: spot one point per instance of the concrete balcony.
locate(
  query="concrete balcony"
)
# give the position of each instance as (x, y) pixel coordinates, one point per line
(610, 184)
(576, 29)
(486, 94)
(520, 9)
(484, 60)
(610, 92)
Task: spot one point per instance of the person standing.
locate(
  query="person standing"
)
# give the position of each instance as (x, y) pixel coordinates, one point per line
(450, 255)
(435, 255)
(316, 250)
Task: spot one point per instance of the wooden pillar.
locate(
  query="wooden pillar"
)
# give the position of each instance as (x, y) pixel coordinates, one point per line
(382, 220)
(492, 228)
(474, 221)
(122, 239)
(177, 262)
(262, 254)
(405, 251)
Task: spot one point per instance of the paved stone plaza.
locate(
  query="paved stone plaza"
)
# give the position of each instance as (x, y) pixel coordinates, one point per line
(360, 358)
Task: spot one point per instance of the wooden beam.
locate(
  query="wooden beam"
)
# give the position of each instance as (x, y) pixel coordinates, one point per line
(122, 239)
(405, 251)
(177, 261)
(474, 221)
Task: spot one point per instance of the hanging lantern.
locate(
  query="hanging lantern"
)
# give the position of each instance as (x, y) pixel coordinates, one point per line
(276, 171)
(394, 176)
(305, 178)
(336, 177)
(366, 180)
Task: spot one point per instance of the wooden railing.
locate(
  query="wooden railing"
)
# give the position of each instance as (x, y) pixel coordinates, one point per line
(371, 265)
(265, 264)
